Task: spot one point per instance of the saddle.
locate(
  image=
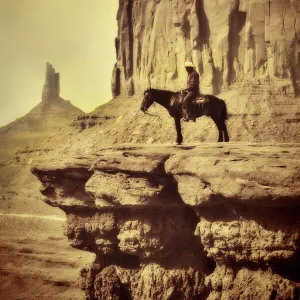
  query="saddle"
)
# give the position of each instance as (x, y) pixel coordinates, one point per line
(200, 98)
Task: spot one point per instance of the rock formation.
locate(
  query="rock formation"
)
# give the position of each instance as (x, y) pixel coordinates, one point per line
(52, 113)
(51, 87)
(205, 222)
(191, 222)
(231, 42)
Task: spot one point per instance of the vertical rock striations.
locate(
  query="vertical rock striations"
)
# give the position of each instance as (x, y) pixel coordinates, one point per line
(51, 87)
(231, 42)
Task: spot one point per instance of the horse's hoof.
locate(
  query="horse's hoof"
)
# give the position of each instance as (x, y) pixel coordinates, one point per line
(177, 143)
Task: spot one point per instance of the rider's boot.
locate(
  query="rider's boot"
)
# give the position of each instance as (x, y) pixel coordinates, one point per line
(187, 116)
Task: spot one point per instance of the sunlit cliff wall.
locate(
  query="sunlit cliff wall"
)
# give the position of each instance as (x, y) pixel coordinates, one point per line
(231, 42)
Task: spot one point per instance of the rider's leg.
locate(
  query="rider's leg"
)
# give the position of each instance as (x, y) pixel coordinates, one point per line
(186, 105)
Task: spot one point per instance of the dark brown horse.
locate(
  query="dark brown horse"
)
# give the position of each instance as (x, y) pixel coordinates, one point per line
(207, 105)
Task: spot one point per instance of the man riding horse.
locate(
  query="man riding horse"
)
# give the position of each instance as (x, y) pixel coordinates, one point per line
(181, 105)
(192, 91)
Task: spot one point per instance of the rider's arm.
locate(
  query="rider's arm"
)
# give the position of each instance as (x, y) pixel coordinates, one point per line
(193, 82)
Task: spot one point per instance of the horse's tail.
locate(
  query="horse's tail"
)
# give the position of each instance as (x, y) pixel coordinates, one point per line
(224, 114)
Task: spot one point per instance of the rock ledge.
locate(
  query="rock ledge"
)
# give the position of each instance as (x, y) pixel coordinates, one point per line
(194, 222)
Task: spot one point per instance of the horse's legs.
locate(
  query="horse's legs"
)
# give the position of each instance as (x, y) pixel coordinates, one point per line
(217, 122)
(178, 130)
(225, 132)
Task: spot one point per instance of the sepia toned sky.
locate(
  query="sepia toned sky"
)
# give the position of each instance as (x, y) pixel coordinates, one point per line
(75, 36)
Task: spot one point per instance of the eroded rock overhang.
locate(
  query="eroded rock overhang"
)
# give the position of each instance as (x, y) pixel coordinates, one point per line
(215, 212)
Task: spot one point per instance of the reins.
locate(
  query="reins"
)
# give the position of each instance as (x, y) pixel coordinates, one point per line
(151, 115)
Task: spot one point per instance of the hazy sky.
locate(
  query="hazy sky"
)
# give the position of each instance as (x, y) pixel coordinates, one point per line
(75, 36)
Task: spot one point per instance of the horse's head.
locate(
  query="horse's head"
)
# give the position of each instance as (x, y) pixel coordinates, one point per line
(148, 100)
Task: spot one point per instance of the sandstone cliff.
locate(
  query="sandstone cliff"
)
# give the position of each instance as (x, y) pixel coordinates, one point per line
(233, 43)
(205, 222)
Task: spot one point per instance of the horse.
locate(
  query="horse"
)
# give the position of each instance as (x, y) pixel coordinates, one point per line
(207, 105)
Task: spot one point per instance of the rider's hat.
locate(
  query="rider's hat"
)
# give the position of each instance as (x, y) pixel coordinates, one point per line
(189, 64)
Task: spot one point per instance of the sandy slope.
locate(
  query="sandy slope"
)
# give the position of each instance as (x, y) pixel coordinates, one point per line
(36, 261)
(269, 118)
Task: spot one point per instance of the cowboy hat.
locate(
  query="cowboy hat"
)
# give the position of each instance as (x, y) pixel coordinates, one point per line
(189, 64)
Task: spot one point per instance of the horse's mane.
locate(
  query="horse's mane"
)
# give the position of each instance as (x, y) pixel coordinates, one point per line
(161, 92)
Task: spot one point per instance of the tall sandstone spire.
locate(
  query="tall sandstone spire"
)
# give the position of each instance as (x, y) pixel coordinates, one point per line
(51, 87)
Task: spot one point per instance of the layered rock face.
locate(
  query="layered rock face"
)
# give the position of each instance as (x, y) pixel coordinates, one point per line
(51, 87)
(205, 222)
(231, 42)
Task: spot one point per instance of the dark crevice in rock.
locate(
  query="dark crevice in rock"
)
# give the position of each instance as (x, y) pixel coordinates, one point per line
(228, 212)
(118, 259)
(117, 47)
(124, 63)
(186, 28)
(294, 67)
(297, 293)
(116, 87)
(203, 23)
(80, 211)
(184, 147)
(139, 56)
(118, 82)
(170, 191)
(160, 169)
(130, 36)
(237, 20)
(289, 269)
(247, 264)
(273, 295)
(217, 81)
